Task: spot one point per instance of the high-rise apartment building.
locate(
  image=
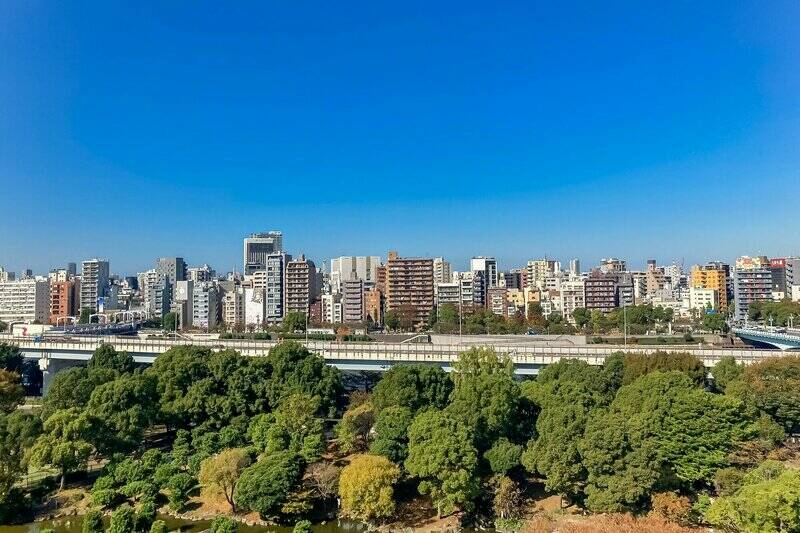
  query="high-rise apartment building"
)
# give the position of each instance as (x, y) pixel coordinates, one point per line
(301, 290)
(600, 291)
(331, 309)
(273, 280)
(572, 296)
(442, 271)
(257, 247)
(353, 301)
(233, 307)
(473, 290)
(64, 300)
(537, 271)
(711, 277)
(94, 283)
(752, 282)
(777, 267)
(448, 293)
(409, 287)
(497, 301)
(25, 300)
(206, 309)
(200, 273)
(488, 266)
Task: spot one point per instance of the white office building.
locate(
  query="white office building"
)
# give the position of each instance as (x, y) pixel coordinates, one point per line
(25, 300)
(700, 298)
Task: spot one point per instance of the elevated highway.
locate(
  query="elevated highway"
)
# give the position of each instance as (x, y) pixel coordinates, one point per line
(57, 353)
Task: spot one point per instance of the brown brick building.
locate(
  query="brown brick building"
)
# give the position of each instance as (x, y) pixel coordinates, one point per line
(409, 288)
(64, 299)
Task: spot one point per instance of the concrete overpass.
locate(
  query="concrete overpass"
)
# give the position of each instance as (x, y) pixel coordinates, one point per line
(55, 354)
(781, 338)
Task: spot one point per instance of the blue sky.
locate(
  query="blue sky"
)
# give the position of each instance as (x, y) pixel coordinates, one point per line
(634, 129)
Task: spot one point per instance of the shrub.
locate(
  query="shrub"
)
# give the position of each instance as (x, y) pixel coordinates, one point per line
(671, 507)
(159, 526)
(123, 520)
(223, 524)
(180, 486)
(93, 522)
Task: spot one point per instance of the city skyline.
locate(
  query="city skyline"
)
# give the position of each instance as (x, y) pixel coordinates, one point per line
(445, 130)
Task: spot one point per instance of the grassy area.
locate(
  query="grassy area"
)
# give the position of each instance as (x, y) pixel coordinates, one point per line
(648, 341)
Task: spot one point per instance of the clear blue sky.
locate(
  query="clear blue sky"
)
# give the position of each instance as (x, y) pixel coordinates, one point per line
(634, 129)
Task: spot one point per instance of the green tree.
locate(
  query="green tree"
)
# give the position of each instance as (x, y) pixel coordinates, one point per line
(180, 486)
(123, 520)
(105, 356)
(365, 487)
(567, 393)
(581, 316)
(485, 395)
(72, 388)
(121, 410)
(293, 427)
(726, 371)
(18, 433)
(11, 392)
(159, 526)
(714, 322)
(294, 321)
(503, 456)
(63, 444)
(774, 386)
(296, 370)
(352, 431)
(84, 316)
(176, 371)
(441, 454)
(391, 320)
(639, 364)
(11, 358)
(413, 386)
(391, 433)
(660, 431)
(447, 318)
(169, 321)
(763, 503)
(265, 486)
(219, 474)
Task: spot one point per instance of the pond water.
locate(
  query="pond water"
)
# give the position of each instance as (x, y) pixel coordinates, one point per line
(73, 524)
